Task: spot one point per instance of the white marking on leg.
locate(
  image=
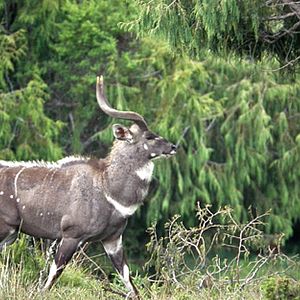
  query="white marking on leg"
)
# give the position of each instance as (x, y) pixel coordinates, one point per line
(16, 180)
(60, 243)
(126, 278)
(11, 196)
(52, 273)
(80, 243)
(1, 193)
(145, 172)
(125, 211)
(126, 273)
(112, 247)
(146, 147)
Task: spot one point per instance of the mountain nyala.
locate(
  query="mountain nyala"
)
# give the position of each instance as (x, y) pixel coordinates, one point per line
(80, 199)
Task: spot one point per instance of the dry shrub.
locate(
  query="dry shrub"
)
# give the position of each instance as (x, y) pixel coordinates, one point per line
(219, 254)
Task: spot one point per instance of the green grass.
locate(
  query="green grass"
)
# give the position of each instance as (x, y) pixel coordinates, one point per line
(17, 283)
(179, 268)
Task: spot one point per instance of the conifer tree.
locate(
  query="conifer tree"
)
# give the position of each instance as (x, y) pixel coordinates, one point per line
(243, 131)
(240, 119)
(249, 28)
(26, 133)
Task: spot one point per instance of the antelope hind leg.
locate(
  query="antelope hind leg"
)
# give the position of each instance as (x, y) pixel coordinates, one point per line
(8, 234)
(64, 253)
(115, 251)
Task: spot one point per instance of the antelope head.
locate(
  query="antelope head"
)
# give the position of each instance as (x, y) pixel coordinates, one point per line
(136, 141)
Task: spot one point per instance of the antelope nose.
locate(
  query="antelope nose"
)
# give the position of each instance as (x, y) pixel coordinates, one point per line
(173, 149)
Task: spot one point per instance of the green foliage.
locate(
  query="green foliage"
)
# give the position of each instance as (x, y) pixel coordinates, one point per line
(268, 275)
(250, 28)
(26, 132)
(12, 49)
(188, 259)
(281, 288)
(21, 257)
(38, 19)
(86, 42)
(20, 269)
(231, 154)
(240, 120)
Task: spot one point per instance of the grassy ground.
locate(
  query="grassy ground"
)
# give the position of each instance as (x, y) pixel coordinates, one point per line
(18, 283)
(185, 264)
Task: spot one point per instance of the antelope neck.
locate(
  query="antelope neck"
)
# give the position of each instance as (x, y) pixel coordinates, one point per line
(128, 183)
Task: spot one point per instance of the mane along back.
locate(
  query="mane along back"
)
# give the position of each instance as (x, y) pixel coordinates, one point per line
(67, 161)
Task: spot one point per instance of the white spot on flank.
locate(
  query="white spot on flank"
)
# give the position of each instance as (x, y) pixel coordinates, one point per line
(146, 147)
(11, 196)
(145, 172)
(23, 207)
(125, 211)
(152, 154)
(48, 213)
(1, 193)
(41, 214)
(18, 200)
(113, 247)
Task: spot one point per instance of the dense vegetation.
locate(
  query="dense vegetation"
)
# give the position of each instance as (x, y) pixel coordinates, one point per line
(221, 77)
(248, 28)
(183, 264)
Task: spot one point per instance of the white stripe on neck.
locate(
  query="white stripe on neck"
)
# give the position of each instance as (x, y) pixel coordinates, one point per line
(145, 172)
(125, 211)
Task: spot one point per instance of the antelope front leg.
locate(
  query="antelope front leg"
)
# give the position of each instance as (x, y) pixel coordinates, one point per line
(115, 251)
(65, 251)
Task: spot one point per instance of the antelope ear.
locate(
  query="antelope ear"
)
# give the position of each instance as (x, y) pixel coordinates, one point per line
(122, 133)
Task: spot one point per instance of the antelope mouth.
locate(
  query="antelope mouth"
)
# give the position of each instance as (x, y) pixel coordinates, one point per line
(173, 152)
(170, 153)
(154, 156)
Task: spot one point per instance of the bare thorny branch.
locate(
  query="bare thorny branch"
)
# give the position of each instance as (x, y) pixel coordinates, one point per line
(215, 230)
